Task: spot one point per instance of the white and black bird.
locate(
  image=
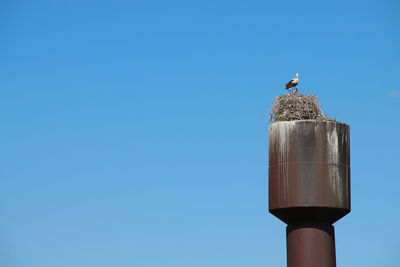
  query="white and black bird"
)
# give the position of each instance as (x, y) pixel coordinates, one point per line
(292, 83)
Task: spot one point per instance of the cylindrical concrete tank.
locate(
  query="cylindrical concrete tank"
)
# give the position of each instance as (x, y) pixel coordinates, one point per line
(309, 170)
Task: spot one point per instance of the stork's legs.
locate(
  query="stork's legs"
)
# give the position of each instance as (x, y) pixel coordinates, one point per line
(293, 90)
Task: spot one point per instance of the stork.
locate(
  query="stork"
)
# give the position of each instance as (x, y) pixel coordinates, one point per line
(292, 83)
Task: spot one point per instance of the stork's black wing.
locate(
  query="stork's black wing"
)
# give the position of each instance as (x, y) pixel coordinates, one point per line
(290, 84)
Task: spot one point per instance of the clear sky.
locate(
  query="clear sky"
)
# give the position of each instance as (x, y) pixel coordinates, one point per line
(134, 133)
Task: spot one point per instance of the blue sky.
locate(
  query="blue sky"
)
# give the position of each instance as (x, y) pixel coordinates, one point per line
(134, 133)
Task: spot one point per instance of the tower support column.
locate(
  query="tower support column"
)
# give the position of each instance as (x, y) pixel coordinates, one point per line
(310, 245)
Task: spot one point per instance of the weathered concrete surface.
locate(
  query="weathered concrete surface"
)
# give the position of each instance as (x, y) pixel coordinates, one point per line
(309, 170)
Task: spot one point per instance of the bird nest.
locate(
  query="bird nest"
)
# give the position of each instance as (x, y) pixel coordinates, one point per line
(296, 106)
